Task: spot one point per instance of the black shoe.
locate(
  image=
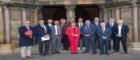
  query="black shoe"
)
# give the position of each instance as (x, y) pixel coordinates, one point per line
(53, 52)
(42, 55)
(85, 52)
(126, 52)
(93, 53)
(58, 52)
(106, 54)
(101, 53)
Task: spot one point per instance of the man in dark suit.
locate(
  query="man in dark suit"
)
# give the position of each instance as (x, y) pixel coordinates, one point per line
(26, 40)
(104, 38)
(41, 30)
(57, 36)
(97, 25)
(80, 24)
(65, 40)
(121, 30)
(111, 24)
(88, 32)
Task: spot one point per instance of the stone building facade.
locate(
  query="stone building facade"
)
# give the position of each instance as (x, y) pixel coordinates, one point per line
(14, 12)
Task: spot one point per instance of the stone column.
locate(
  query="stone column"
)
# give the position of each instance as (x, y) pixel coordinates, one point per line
(1, 25)
(105, 15)
(118, 14)
(24, 15)
(136, 44)
(36, 15)
(70, 11)
(7, 24)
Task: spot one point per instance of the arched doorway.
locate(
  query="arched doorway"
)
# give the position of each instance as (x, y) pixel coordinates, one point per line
(87, 11)
(54, 12)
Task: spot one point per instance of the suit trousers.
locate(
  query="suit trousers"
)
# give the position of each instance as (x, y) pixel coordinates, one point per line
(104, 46)
(56, 43)
(26, 51)
(90, 42)
(44, 47)
(123, 42)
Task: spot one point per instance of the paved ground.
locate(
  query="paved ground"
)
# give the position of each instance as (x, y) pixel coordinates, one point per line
(66, 56)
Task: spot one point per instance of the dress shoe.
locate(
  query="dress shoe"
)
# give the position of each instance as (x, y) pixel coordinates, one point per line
(23, 59)
(126, 52)
(85, 52)
(106, 54)
(93, 53)
(29, 57)
(58, 52)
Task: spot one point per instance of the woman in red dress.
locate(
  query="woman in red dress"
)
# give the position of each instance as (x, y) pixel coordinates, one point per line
(73, 33)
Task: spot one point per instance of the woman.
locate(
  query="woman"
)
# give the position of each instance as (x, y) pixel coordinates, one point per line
(73, 33)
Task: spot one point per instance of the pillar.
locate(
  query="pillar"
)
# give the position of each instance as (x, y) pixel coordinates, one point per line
(70, 11)
(24, 15)
(36, 15)
(1, 26)
(118, 14)
(7, 24)
(136, 44)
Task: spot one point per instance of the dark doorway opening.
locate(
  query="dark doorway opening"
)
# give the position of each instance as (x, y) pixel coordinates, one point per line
(53, 12)
(87, 11)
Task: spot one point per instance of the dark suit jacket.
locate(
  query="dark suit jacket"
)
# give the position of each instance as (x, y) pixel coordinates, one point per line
(106, 33)
(91, 30)
(24, 39)
(39, 32)
(53, 31)
(109, 26)
(124, 31)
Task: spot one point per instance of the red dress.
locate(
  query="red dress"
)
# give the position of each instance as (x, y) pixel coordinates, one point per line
(73, 39)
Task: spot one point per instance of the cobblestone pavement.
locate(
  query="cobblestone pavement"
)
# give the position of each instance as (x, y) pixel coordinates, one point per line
(67, 56)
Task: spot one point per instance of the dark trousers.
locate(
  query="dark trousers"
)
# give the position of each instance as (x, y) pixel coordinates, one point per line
(65, 42)
(44, 47)
(123, 42)
(89, 41)
(112, 40)
(81, 42)
(104, 46)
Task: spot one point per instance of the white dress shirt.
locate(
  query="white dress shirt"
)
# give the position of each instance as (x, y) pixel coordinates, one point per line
(119, 29)
(80, 24)
(44, 27)
(111, 24)
(50, 25)
(57, 31)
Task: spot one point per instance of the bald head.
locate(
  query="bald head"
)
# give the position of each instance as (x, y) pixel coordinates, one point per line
(27, 23)
(96, 19)
(103, 24)
(120, 22)
(111, 20)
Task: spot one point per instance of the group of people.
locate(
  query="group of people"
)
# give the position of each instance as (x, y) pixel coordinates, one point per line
(94, 35)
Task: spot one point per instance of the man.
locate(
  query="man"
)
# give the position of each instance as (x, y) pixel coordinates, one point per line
(56, 40)
(80, 24)
(121, 30)
(104, 38)
(97, 25)
(65, 40)
(41, 30)
(111, 24)
(26, 40)
(50, 22)
(88, 32)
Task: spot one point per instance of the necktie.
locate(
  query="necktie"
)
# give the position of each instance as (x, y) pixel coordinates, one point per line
(58, 31)
(103, 29)
(87, 29)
